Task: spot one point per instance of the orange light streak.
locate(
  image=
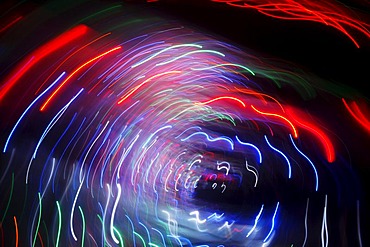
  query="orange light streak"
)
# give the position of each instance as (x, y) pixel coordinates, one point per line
(221, 98)
(295, 134)
(16, 231)
(74, 72)
(141, 84)
(71, 55)
(329, 148)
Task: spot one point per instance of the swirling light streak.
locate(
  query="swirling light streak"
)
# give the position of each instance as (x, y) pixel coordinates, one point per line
(74, 72)
(312, 165)
(299, 118)
(253, 146)
(358, 114)
(148, 133)
(272, 223)
(16, 231)
(255, 222)
(282, 154)
(28, 108)
(324, 226)
(47, 130)
(7, 26)
(59, 224)
(254, 171)
(328, 12)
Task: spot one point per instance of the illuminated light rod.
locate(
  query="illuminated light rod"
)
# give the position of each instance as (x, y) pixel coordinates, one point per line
(221, 98)
(295, 133)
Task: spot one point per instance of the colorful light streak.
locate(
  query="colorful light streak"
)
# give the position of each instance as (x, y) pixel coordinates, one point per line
(358, 114)
(42, 52)
(328, 13)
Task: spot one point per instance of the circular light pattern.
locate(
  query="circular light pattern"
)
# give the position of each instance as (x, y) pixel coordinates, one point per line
(124, 128)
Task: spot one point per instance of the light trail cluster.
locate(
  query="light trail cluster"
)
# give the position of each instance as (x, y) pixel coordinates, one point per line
(121, 129)
(328, 12)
